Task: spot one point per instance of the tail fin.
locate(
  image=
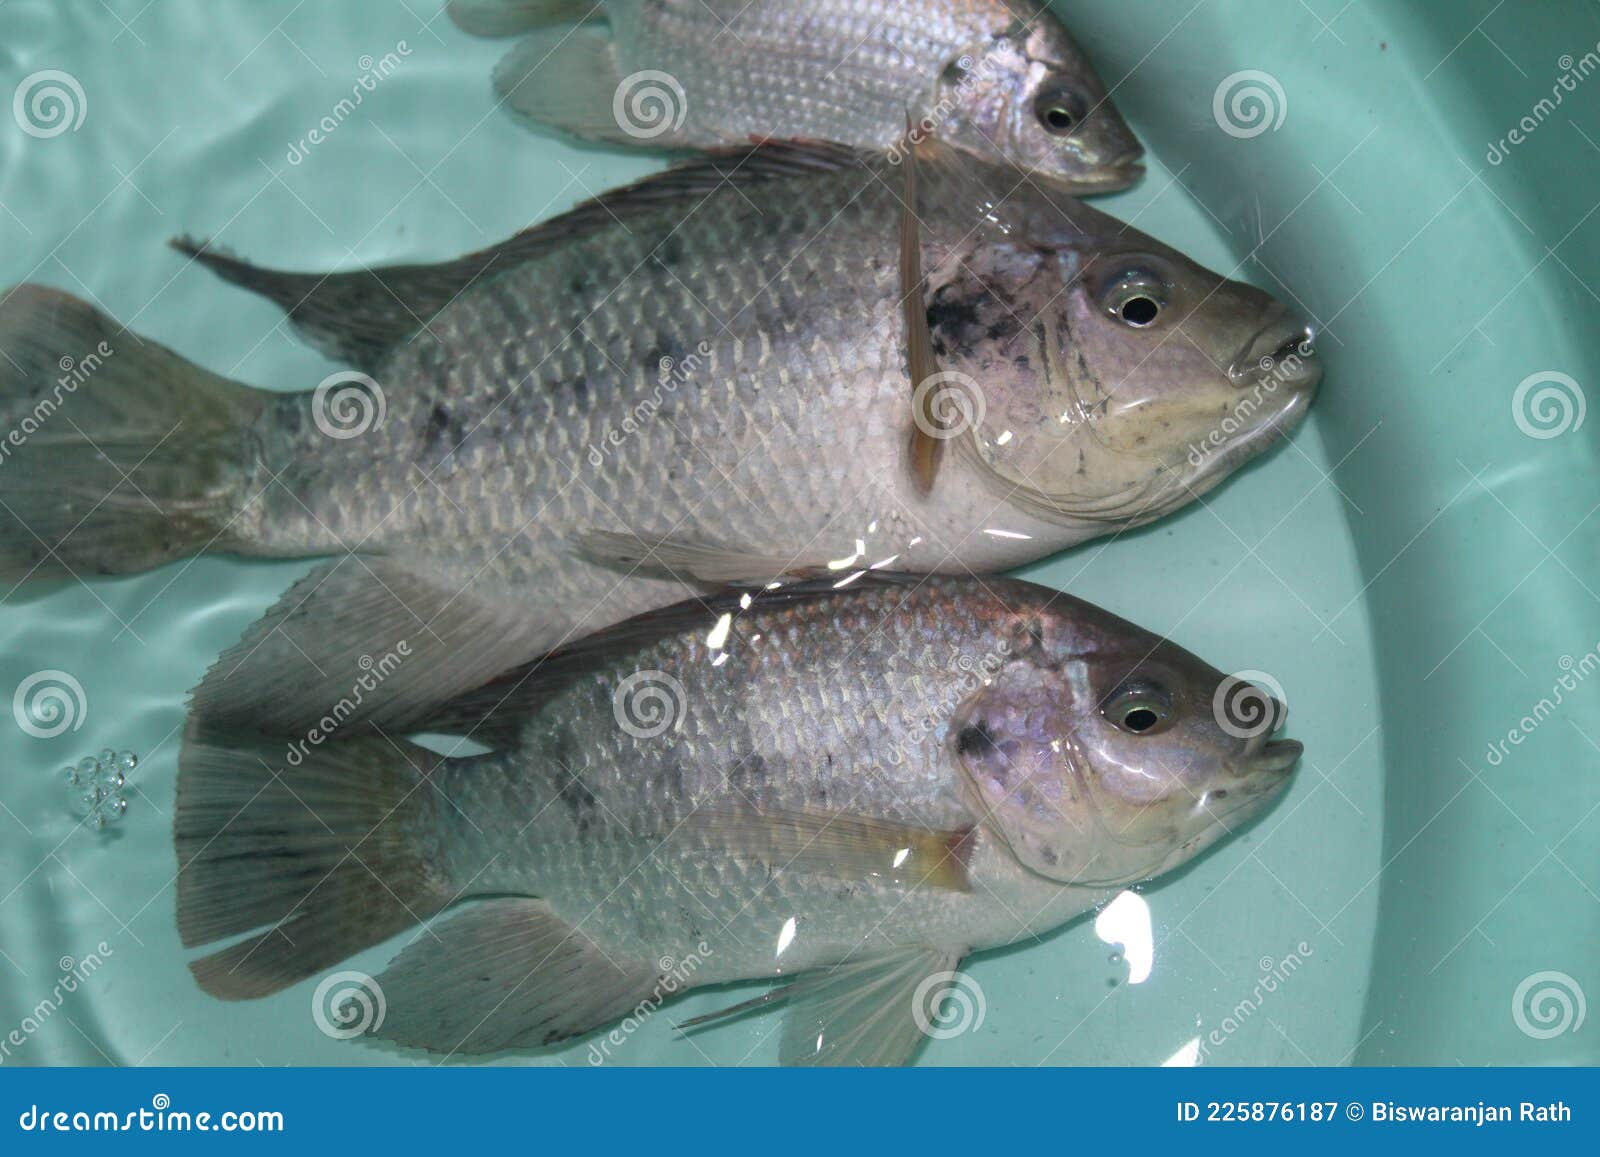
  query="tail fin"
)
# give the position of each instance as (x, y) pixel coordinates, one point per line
(116, 454)
(514, 17)
(321, 858)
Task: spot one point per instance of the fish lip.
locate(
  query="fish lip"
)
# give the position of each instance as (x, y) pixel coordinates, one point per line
(1257, 440)
(1263, 351)
(1276, 756)
(1120, 173)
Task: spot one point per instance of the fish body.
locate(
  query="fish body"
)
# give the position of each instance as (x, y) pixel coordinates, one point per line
(871, 781)
(999, 79)
(715, 357)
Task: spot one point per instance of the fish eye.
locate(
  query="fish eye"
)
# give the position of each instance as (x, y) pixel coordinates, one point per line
(1136, 299)
(1060, 110)
(1141, 708)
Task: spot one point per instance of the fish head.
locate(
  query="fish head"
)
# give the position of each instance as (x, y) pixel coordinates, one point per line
(1116, 379)
(1102, 755)
(1030, 98)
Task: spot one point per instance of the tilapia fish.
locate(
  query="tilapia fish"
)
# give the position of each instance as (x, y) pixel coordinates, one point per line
(1000, 79)
(854, 787)
(702, 378)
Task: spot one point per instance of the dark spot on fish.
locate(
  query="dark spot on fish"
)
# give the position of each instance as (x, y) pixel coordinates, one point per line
(952, 312)
(442, 431)
(748, 774)
(665, 347)
(291, 413)
(1034, 629)
(577, 286)
(580, 801)
(672, 773)
(1083, 367)
(1003, 328)
(976, 739)
(668, 254)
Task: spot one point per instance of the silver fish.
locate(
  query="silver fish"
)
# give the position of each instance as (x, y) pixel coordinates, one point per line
(1000, 79)
(701, 378)
(855, 788)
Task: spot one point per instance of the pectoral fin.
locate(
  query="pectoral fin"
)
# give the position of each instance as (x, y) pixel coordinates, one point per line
(850, 847)
(926, 447)
(569, 79)
(689, 561)
(873, 1011)
(494, 18)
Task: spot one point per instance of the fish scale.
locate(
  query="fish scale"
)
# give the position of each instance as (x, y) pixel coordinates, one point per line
(828, 679)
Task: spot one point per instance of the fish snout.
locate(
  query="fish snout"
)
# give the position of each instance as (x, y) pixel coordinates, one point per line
(1283, 351)
(1274, 757)
(1262, 754)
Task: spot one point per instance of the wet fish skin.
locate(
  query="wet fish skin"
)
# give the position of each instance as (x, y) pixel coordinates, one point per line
(535, 408)
(1000, 79)
(997, 711)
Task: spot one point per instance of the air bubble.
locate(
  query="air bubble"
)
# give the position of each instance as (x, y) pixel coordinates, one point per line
(95, 786)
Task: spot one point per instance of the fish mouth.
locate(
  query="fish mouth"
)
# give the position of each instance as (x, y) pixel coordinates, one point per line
(1119, 173)
(1285, 349)
(1262, 775)
(1275, 757)
(1255, 441)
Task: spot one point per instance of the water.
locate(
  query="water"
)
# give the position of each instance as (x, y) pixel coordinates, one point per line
(1412, 569)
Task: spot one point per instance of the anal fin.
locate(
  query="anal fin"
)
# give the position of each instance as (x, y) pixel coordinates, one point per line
(507, 973)
(872, 1011)
(361, 640)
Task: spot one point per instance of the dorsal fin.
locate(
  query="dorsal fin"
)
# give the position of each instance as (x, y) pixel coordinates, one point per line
(360, 316)
(490, 714)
